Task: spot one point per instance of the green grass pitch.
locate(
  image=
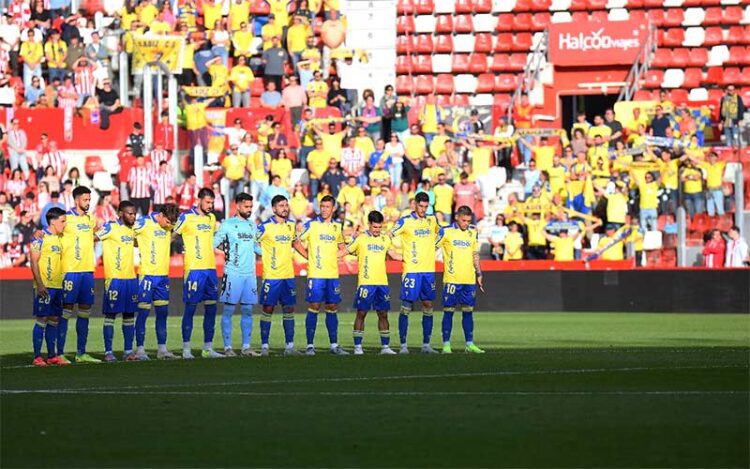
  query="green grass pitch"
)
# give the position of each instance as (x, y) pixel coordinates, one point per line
(554, 390)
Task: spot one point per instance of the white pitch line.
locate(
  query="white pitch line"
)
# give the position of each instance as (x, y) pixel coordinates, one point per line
(380, 393)
(392, 378)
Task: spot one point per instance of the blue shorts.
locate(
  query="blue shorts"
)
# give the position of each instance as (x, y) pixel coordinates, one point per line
(241, 289)
(78, 288)
(275, 291)
(51, 306)
(455, 294)
(200, 285)
(153, 289)
(377, 297)
(323, 290)
(418, 287)
(120, 296)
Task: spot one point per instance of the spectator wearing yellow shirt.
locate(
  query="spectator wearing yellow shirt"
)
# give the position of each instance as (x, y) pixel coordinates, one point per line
(55, 51)
(128, 14)
(219, 74)
(160, 26)
(243, 39)
(714, 170)
(239, 13)
(280, 9)
(212, 12)
(609, 247)
(351, 194)
(599, 128)
(281, 166)
(636, 237)
(189, 71)
(649, 201)
(296, 38)
(537, 243)
(330, 5)
(558, 178)
(147, 12)
(482, 157)
(378, 177)
(196, 123)
(639, 119)
(415, 148)
(542, 152)
(317, 164)
(235, 170)
(438, 144)
(241, 78)
(271, 30)
(430, 115)
(363, 142)
(431, 170)
(332, 140)
(311, 54)
(692, 188)
(669, 177)
(598, 151)
(258, 164)
(563, 245)
(580, 123)
(32, 53)
(513, 244)
(300, 208)
(317, 91)
(617, 203)
(443, 200)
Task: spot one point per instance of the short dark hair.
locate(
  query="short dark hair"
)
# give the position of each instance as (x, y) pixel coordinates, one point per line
(53, 214)
(375, 217)
(80, 190)
(242, 197)
(735, 228)
(137, 125)
(206, 192)
(125, 204)
(170, 211)
(464, 175)
(328, 198)
(464, 210)
(54, 195)
(277, 199)
(421, 197)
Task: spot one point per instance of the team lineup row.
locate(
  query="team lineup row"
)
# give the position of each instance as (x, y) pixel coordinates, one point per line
(62, 263)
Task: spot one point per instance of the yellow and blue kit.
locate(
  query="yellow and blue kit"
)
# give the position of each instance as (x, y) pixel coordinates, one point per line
(275, 239)
(418, 236)
(323, 240)
(372, 280)
(120, 283)
(459, 276)
(49, 247)
(78, 258)
(201, 281)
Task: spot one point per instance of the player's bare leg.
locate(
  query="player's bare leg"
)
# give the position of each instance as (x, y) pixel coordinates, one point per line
(332, 324)
(359, 331)
(385, 334)
(427, 327)
(311, 323)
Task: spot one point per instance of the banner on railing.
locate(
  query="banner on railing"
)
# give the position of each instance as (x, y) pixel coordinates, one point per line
(164, 49)
(204, 91)
(587, 43)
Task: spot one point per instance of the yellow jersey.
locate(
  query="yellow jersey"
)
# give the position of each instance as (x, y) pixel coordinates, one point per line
(49, 247)
(198, 236)
(242, 77)
(417, 237)
(242, 42)
(458, 248)
(317, 163)
(332, 144)
(595, 153)
(443, 198)
(282, 167)
(219, 74)
(649, 192)
(279, 10)
(78, 243)
(55, 53)
(481, 161)
(714, 174)
(437, 146)
(535, 232)
(313, 55)
(118, 242)
(693, 185)
(270, 30)
(275, 240)
(602, 130)
(557, 176)
(415, 145)
(234, 166)
(617, 207)
(564, 248)
(317, 94)
(432, 173)
(322, 239)
(258, 164)
(32, 51)
(670, 173)
(153, 246)
(195, 115)
(371, 252)
(614, 253)
(149, 13)
(352, 194)
(513, 246)
(296, 37)
(238, 14)
(211, 14)
(543, 157)
(430, 115)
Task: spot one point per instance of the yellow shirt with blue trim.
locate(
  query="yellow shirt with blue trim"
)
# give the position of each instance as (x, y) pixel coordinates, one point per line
(118, 242)
(418, 237)
(371, 252)
(198, 236)
(275, 241)
(153, 245)
(49, 248)
(322, 239)
(78, 242)
(458, 248)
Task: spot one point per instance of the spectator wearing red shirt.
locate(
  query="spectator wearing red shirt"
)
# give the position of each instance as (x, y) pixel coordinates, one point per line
(466, 193)
(713, 251)
(522, 120)
(127, 161)
(139, 185)
(187, 193)
(164, 133)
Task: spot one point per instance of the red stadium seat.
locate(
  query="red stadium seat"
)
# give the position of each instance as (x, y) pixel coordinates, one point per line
(443, 99)
(736, 55)
(713, 16)
(522, 41)
(444, 44)
(679, 96)
(715, 76)
(517, 61)
(673, 17)
(92, 165)
(652, 3)
(460, 63)
(680, 58)
(634, 4)
(642, 95)
(403, 64)
(485, 83)
(478, 63)
(693, 78)
(463, 24)
(713, 36)
(522, 5)
(653, 79)
(424, 7)
(732, 76)
(444, 24)
(500, 62)
(483, 42)
(580, 16)
(463, 6)
(746, 60)
(747, 34)
(257, 87)
(504, 22)
(674, 37)
(732, 15)
(600, 16)
(597, 5)
(405, 7)
(424, 84)
(405, 25)
(736, 35)
(501, 101)
(698, 57)
(656, 16)
(578, 5)
(504, 42)
(540, 21)
(482, 6)
(715, 95)
(423, 44)
(506, 82)
(540, 5)
(637, 16)
(259, 8)
(404, 84)
(662, 58)
(461, 100)
(745, 74)
(444, 84)
(522, 22)
(422, 64)
(405, 43)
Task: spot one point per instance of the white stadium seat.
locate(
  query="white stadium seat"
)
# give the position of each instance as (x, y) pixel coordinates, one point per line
(463, 43)
(746, 16)
(503, 6)
(424, 24)
(561, 17)
(616, 4)
(484, 23)
(465, 84)
(441, 63)
(560, 5)
(618, 14)
(537, 38)
(480, 100)
(694, 36)
(673, 78)
(673, 3)
(445, 6)
(694, 16)
(730, 2)
(698, 94)
(718, 55)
